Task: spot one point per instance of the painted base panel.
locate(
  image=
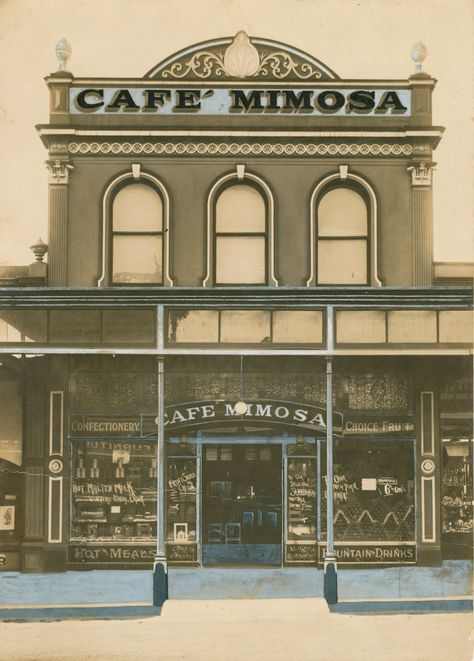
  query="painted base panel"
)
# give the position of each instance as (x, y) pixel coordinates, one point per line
(452, 579)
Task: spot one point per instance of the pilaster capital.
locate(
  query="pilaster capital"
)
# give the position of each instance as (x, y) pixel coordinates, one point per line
(59, 171)
(421, 173)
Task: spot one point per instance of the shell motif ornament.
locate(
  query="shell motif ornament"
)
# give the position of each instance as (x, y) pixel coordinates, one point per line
(241, 58)
(418, 55)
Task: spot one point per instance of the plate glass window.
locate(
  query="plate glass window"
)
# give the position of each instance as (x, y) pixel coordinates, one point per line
(240, 237)
(137, 236)
(342, 238)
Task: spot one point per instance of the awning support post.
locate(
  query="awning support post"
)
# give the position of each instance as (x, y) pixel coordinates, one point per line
(330, 567)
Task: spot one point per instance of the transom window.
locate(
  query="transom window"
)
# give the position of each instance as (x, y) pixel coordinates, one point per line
(240, 237)
(137, 236)
(342, 228)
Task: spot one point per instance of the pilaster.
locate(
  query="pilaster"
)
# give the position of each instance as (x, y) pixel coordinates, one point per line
(33, 465)
(428, 470)
(422, 217)
(58, 218)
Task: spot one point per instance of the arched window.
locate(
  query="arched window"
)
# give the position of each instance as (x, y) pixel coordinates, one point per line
(137, 236)
(342, 255)
(343, 231)
(240, 237)
(135, 231)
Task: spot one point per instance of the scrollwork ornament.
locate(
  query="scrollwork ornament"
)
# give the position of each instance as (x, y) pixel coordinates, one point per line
(241, 59)
(281, 65)
(203, 65)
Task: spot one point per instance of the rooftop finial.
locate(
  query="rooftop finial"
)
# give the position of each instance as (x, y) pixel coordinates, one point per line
(39, 250)
(418, 55)
(63, 53)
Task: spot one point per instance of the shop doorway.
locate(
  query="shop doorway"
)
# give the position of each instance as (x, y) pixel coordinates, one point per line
(241, 504)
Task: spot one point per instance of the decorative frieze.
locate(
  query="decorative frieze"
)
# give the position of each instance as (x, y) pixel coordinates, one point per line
(245, 148)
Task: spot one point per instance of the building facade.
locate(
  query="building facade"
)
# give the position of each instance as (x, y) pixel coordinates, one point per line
(240, 351)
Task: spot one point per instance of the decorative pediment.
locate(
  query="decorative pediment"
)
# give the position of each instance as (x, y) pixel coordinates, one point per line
(241, 58)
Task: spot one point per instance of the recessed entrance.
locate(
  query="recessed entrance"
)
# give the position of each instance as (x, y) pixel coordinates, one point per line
(241, 504)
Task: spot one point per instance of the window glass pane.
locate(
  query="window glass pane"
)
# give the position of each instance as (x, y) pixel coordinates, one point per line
(113, 491)
(137, 208)
(298, 326)
(181, 496)
(193, 326)
(240, 260)
(412, 326)
(342, 212)
(342, 262)
(245, 325)
(74, 326)
(240, 209)
(11, 429)
(23, 325)
(302, 499)
(374, 491)
(137, 259)
(137, 326)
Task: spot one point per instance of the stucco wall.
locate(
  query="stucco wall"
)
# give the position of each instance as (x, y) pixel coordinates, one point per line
(188, 182)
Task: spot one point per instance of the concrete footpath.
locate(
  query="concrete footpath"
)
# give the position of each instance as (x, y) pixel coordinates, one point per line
(232, 630)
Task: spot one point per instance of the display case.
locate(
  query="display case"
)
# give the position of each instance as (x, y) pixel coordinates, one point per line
(301, 494)
(9, 501)
(113, 491)
(374, 496)
(457, 483)
(181, 491)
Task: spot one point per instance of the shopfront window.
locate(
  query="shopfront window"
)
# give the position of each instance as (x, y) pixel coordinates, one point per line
(301, 489)
(456, 418)
(457, 486)
(374, 495)
(10, 489)
(113, 491)
(181, 490)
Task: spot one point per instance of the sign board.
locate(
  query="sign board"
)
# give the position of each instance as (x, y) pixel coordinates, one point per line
(202, 413)
(301, 553)
(116, 555)
(371, 554)
(87, 426)
(181, 553)
(262, 410)
(147, 99)
(389, 425)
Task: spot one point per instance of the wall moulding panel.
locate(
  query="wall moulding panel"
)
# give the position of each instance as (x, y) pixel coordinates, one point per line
(56, 422)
